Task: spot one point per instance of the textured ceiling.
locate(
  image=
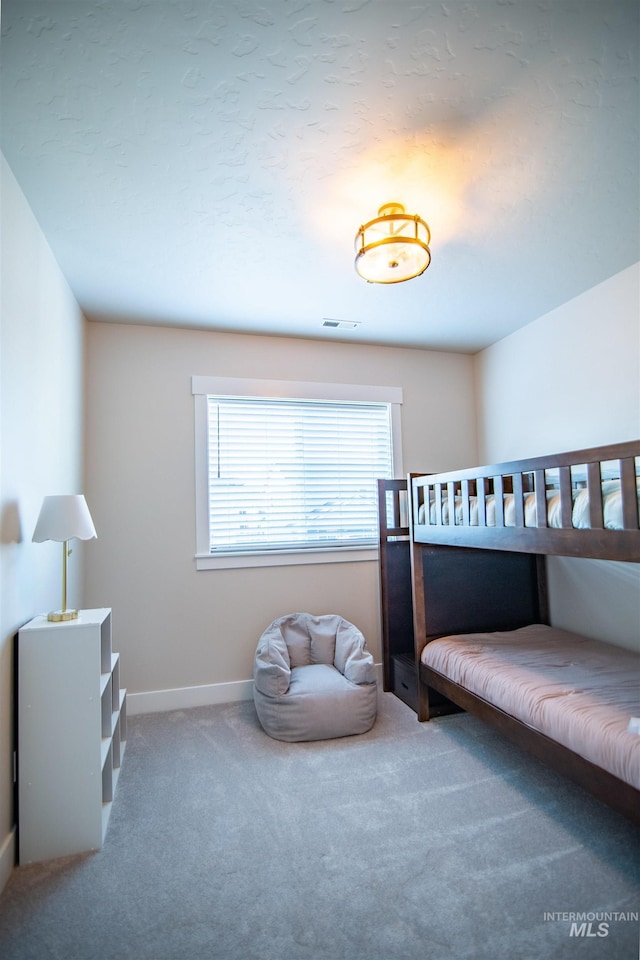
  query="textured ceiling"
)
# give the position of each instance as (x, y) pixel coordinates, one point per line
(208, 164)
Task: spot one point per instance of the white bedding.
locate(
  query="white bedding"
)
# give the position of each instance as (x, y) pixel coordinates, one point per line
(611, 504)
(580, 692)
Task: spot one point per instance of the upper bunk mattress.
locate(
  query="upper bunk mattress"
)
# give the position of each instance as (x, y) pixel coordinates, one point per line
(579, 692)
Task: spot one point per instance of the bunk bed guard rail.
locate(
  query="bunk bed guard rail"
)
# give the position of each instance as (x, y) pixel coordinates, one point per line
(583, 503)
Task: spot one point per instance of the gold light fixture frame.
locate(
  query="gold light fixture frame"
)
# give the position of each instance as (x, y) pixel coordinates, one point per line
(393, 247)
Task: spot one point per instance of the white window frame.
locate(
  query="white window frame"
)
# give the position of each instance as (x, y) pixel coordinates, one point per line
(202, 387)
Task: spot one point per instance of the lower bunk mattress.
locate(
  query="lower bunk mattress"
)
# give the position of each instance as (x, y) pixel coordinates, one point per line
(581, 693)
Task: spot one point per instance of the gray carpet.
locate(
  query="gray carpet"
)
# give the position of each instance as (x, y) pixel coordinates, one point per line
(415, 841)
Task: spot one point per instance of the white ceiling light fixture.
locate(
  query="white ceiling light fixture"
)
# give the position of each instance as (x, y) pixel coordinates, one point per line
(392, 247)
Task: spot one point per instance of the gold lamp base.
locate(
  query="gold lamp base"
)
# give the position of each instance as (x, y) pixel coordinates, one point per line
(59, 615)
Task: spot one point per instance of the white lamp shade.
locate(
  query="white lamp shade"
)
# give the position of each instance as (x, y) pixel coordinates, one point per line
(64, 517)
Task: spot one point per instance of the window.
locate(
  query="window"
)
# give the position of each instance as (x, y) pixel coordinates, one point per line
(286, 471)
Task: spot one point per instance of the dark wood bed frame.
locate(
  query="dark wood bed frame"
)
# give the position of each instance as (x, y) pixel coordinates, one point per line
(440, 579)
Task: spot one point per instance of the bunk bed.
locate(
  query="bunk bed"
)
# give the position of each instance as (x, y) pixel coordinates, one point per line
(464, 558)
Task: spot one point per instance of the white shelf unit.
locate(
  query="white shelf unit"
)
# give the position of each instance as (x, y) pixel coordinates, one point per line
(72, 731)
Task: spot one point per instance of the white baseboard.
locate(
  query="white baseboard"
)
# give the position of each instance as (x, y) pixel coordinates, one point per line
(7, 857)
(181, 698)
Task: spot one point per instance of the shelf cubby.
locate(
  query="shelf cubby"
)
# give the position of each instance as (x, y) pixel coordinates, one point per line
(71, 734)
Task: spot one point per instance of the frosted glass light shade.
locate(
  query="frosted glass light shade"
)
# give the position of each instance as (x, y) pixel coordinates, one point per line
(392, 247)
(64, 517)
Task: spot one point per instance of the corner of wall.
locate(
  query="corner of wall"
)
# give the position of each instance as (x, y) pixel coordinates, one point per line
(477, 369)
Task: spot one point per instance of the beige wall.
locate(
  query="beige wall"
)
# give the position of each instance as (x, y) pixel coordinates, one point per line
(41, 340)
(567, 381)
(176, 627)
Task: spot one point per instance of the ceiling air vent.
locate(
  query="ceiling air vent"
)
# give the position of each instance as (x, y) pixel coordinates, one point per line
(342, 324)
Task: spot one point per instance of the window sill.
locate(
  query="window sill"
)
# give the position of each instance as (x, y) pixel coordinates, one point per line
(284, 558)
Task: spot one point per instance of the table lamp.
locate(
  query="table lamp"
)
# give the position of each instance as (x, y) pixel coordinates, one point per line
(62, 518)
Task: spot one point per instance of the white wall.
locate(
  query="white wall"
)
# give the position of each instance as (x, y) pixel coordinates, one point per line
(567, 381)
(41, 340)
(178, 628)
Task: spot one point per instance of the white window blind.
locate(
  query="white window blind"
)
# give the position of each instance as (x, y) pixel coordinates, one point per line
(288, 474)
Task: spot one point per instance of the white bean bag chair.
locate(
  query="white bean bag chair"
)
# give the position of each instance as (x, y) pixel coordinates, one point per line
(314, 679)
